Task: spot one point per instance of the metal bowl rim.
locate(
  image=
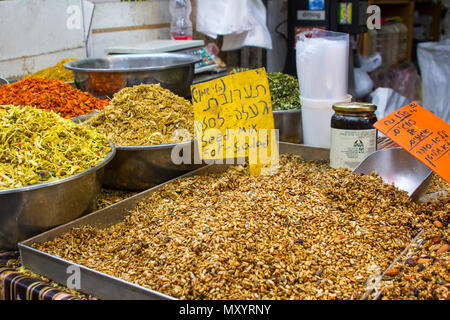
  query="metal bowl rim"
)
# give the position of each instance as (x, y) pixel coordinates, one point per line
(287, 111)
(3, 81)
(105, 161)
(194, 59)
(152, 146)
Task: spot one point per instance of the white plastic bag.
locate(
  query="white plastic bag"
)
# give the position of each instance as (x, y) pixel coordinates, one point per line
(222, 17)
(257, 36)
(371, 63)
(241, 22)
(434, 64)
(387, 101)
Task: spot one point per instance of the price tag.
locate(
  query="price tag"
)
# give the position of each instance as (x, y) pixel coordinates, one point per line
(233, 119)
(422, 134)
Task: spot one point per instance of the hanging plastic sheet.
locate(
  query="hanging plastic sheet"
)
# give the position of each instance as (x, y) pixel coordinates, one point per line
(434, 63)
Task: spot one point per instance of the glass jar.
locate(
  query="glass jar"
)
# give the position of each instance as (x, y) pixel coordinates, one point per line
(353, 136)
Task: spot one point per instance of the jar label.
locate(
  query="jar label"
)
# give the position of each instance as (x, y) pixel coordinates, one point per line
(350, 147)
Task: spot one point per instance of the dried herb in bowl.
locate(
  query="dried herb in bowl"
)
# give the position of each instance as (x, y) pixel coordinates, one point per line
(284, 90)
(39, 146)
(146, 114)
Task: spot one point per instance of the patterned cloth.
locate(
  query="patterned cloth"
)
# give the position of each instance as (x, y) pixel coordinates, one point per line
(14, 285)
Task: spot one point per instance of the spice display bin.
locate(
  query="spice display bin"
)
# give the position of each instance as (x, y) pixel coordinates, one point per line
(137, 168)
(99, 284)
(33, 209)
(104, 286)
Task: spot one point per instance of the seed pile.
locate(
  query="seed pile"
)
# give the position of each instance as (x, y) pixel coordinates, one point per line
(145, 114)
(438, 188)
(56, 72)
(284, 90)
(425, 273)
(50, 95)
(307, 232)
(39, 146)
(108, 197)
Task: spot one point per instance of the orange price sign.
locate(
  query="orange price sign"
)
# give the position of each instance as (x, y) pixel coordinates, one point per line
(422, 134)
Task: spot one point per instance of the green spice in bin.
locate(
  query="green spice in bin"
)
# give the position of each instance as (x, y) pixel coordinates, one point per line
(284, 90)
(39, 146)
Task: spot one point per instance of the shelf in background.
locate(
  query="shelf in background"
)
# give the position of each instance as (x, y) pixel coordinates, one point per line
(392, 8)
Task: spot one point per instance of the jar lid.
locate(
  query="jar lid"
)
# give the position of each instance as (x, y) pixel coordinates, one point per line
(354, 107)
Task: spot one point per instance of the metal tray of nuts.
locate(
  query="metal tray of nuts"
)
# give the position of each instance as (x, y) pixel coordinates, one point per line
(99, 284)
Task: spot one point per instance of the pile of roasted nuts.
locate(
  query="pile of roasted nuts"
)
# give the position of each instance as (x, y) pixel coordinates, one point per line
(307, 232)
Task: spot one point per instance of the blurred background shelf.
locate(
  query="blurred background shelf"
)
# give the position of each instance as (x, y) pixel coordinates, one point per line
(402, 9)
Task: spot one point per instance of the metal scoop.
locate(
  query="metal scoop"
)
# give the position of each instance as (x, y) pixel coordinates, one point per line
(397, 166)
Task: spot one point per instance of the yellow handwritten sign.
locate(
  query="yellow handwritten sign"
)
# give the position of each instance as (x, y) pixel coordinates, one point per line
(233, 119)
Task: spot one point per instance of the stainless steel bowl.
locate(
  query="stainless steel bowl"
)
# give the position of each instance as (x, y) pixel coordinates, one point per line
(139, 168)
(28, 211)
(102, 77)
(289, 123)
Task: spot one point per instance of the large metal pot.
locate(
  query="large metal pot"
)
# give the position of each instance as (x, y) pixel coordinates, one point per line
(139, 168)
(28, 211)
(289, 124)
(102, 77)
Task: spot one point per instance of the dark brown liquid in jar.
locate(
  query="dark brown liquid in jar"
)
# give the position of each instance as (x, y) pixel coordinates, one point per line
(353, 121)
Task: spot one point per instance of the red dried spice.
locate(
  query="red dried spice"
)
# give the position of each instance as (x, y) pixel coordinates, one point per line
(53, 95)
